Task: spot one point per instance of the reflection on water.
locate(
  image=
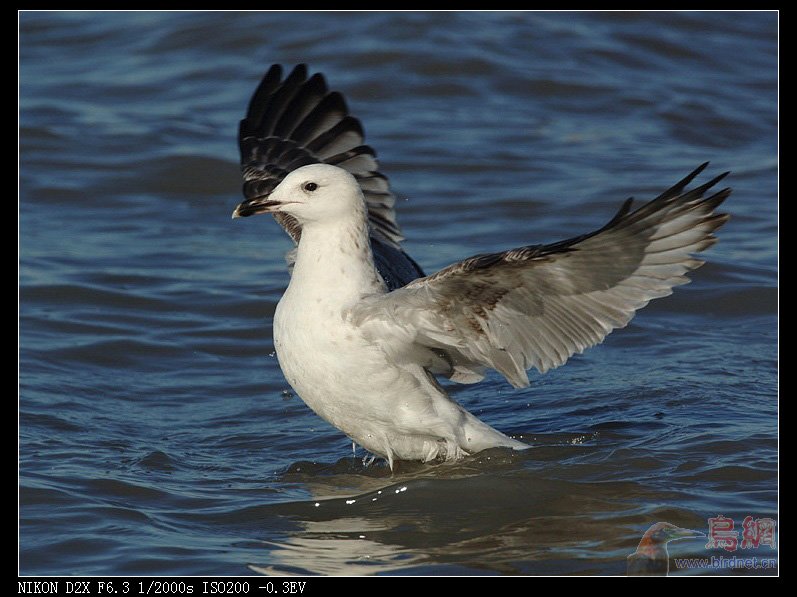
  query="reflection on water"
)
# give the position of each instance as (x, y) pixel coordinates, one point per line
(332, 547)
(501, 512)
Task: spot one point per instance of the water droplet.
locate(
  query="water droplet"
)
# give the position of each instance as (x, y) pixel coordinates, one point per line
(316, 504)
(350, 502)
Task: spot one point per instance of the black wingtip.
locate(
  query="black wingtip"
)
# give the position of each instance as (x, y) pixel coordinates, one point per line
(622, 212)
(717, 199)
(337, 102)
(692, 175)
(318, 81)
(716, 179)
(300, 70)
(713, 181)
(274, 72)
(698, 192)
(678, 188)
(258, 102)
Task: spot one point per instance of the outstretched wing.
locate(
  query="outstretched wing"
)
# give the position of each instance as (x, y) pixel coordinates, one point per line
(294, 122)
(536, 306)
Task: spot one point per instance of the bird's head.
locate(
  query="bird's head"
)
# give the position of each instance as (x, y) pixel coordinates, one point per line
(651, 556)
(313, 193)
(661, 533)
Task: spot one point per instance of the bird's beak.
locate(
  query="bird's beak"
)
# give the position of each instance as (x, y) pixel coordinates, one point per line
(256, 205)
(679, 533)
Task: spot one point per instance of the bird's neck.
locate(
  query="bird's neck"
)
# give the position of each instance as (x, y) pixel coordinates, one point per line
(334, 261)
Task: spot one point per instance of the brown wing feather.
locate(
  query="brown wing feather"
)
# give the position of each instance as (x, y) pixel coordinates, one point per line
(536, 306)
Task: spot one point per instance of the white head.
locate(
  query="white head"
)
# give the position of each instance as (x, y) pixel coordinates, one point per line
(314, 193)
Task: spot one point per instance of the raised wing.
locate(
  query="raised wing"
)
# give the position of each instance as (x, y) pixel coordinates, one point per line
(297, 121)
(536, 306)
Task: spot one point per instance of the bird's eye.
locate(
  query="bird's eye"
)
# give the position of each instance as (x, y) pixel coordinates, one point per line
(310, 187)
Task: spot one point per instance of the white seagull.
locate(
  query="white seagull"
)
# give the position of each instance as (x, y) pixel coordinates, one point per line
(361, 332)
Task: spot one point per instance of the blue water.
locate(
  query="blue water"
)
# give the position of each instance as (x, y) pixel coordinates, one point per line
(156, 432)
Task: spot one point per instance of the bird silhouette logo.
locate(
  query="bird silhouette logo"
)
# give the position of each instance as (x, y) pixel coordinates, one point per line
(651, 557)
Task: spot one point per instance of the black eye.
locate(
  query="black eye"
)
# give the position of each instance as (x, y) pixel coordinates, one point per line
(310, 187)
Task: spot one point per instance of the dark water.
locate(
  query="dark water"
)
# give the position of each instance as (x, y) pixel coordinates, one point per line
(156, 433)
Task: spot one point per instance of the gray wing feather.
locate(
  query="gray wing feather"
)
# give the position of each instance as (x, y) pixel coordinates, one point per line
(536, 306)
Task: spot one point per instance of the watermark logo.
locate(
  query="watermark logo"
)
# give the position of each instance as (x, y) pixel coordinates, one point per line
(726, 563)
(651, 556)
(758, 532)
(755, 533)
(721, 534)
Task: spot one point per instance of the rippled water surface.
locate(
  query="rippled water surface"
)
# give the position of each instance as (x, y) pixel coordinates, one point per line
(157, 434)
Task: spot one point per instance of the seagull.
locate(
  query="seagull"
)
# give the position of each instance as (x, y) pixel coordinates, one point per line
(362, 334)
